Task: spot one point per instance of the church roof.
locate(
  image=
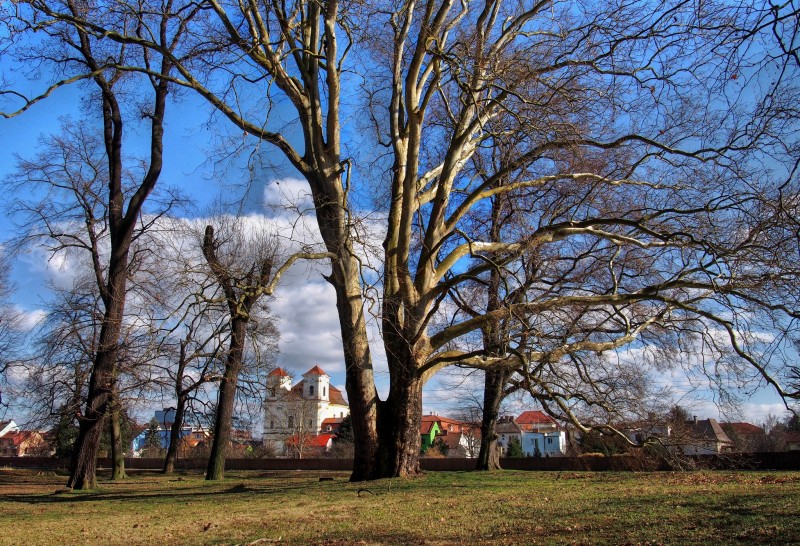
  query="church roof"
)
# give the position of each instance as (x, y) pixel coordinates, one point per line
(316, 370)
(335, 396)
(278, 372)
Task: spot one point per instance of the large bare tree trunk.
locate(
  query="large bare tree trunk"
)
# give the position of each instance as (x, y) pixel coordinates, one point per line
(84, 460)
(494, 383)
(345, 277)
(121, 224)
(399, 421)
(359, 379)
(225, 402)
(117, 449)
(175, 435)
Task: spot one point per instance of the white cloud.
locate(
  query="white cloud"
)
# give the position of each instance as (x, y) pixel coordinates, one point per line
(757, 413)
(42, 267)
(28, 320)
(309, 326)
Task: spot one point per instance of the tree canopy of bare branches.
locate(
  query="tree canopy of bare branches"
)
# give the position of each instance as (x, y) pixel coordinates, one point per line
(649, 150)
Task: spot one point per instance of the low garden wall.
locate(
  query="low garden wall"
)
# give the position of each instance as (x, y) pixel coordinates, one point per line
(789, 460)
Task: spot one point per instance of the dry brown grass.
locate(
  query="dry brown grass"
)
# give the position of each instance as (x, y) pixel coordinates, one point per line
(439, 508)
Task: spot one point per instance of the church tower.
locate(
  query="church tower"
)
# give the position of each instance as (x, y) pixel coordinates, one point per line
(278, 383)
(316, 385)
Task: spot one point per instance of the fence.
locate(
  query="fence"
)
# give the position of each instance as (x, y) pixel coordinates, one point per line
(789, 460)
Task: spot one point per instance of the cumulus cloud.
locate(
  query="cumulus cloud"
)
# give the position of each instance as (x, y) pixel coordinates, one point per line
(41, 267)
(28, 320)
(309, 326)
(757, 413)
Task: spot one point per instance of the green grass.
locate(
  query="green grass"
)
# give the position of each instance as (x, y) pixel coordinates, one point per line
(504, 507)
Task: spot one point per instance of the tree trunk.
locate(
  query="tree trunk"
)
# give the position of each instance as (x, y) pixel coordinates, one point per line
(331, 205)
(117, 449)
(83, 474)
(399, 419)
(359, 380)
(226, 400)
(175, 436)
(494, 383)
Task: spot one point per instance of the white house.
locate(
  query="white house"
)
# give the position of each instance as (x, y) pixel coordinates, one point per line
(302, 410)
(507, 431)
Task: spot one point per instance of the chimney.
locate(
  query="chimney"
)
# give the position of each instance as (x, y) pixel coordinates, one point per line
(695, 419)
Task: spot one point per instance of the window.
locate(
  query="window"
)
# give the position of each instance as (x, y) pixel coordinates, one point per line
(311, 390)
(291, 421)
(549, 441)
(323, 391)
(310, 423)
(272, 423)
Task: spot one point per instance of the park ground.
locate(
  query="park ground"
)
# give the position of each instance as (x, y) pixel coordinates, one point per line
(504, 507)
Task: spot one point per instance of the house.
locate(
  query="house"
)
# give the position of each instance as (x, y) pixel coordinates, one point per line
(189, 436)
(332, 425)
(302, 446)
(8, 426)
(640, 432)
(791, 441)
(540, 434)
(745, 437)
(429, 429)
(507, 431)
(462, 439)
(23, 443)
(700, 437)
(307, 409)
(463, 444)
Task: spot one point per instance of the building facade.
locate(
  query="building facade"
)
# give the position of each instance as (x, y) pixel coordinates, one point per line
(294, 415)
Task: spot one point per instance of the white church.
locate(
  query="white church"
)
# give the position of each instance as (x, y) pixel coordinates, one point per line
(311, 407)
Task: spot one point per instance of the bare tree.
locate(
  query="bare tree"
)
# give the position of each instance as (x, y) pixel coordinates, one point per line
(639, 144)
(244, 274)
(73, 49)
(11, 334)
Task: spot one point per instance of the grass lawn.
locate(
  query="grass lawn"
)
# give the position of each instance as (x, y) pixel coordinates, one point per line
(505, 507)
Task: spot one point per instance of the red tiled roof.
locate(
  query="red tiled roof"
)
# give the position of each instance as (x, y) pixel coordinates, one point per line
(278, 372)
(316, 370)
(743, 428)
(426, 426)
(320, 440)
(440, 419)
(791, 436)
(18, 437)
(534, 417)
(332, 420)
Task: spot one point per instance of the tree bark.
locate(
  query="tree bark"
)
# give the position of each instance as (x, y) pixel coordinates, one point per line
(175, 436)
(331, 205)
(226, 400)
(494, 383)
(84, 459)
(359, 379)
(399, 419)
(117, 449)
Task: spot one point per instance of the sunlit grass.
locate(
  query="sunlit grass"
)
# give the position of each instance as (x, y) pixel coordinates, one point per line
(504, 507)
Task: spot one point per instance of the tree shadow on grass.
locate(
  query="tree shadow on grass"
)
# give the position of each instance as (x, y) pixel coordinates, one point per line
(142, 494)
